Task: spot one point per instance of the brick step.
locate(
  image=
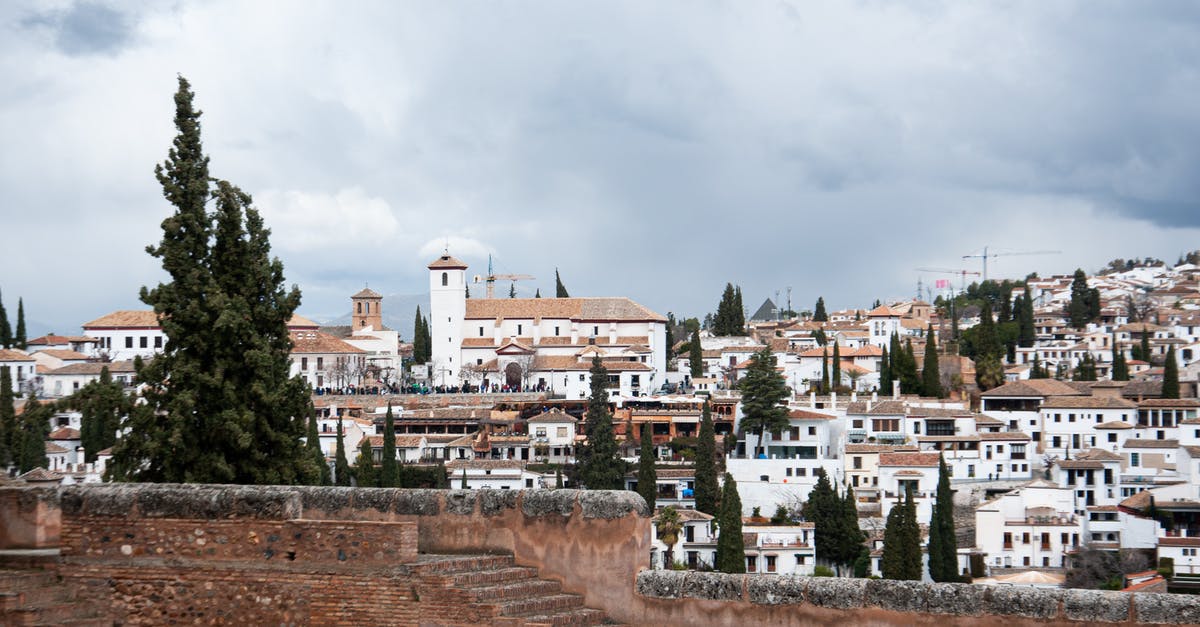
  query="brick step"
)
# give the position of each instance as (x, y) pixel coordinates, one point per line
(44, 595)
(486, 577)
(549, 604)
(78, 622)
(517, 590)
(50, 614)
(21, 580)
(580, 616)
(453, 564)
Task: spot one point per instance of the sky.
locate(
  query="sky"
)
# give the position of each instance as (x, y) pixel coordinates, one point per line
(655, 150)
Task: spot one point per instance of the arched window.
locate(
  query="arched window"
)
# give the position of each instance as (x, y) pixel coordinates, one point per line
(358, 307)
(445, 278)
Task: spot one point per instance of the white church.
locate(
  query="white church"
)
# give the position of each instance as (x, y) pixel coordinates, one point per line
(543, 344)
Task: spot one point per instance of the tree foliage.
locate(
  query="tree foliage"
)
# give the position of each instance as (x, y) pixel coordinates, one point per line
(313, 443)
(560, 291)
(366, 475)
(422, 343)
(696, 356)
(902, 542)
(764, 392)
(1120, 367)
(1085, 302)
(706, 491)
(31, 436)
(341, 466)
(8, 418)
(669, 526)
(931, 375)
(943, 544)
(102, 404)
(730, 318)
(731, 552)
(221, 406)
(19, 339)
(819, 313)
(1086, 369)
(6, 334)
(1170, 386)
(389, 471)
(647, 475)
(600, 468)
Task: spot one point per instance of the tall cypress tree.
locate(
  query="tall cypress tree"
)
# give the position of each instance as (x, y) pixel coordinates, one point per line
(1038, 371)
(6, 337)
(512, 290)
(731, 552)
(823, 509)
(739, 313)
(365, 473)
(19, 340)
(8, 417)
(835, 377)
(819, 313)
(647, 475)
(825, 371)
(418, 338)
(706, 465)
(560, 291)
(764, 392)
(1026, 333)
(885, 373)
(341, 466)
(902, 542)
(1120, 367)
(851, 536)
(313, 444)
(600, 468)
(910, 381)
(931, 376)
(1080, 310)
(696, 356)
(1170, 386)
(225, 409)
(32, 432)
(389, 472)
(943, 544)
(724, 323)
(102, 404)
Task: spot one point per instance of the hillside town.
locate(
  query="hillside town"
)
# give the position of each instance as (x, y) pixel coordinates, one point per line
(1079, 453)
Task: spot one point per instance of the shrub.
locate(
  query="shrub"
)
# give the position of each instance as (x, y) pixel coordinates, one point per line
(823, 571)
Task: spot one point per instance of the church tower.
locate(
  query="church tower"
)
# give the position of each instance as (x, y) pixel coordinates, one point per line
(366, 310)
(447, 310)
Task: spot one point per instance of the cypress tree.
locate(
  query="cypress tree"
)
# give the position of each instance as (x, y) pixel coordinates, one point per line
(851, 536)
(341, 466)
(910, 381)
(464, 485)
(389, 472)
(819, 313)
(224, 409)
(1086, 369)
(34, 427)
(558, 480)
(102, 404)
(943, 545)
(600, 468)
(825, 371)
(885, 373)
(731, 552)
(987, 338)
(696, 356)
(902, 542)
(706, 465)
(739, 313)
(1079, 311)
(647, 475)
(931, 376)
(512, 290)
(836, 370)
(538, 294)
(764, 392)
(1170, 386)
(365, 474)
(953, 320)
(560, 291)
(1038, 371)
(1120, 367)
(8, 418)
(418, 338)
(823, 509)
(19, 339)
(1027, 334)
(467, 290)
(314, 448)
(723, 323)
(6, 338)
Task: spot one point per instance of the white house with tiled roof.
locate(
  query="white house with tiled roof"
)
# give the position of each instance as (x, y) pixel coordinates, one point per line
(899, 472)
(325, 361)
(540, 343)
(68, 379)
(22, 369)
(123, 335)
(882, 322)
(1031, 527)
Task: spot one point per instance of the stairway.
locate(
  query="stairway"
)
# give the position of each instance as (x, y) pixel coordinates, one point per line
(37, 597)
(513, 595)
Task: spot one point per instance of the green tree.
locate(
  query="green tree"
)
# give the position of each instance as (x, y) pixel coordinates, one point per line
(512, 290)
(600, 468)
(823, 509)
(825, 371)
(421, 339)
(943, 544)
(723, 323)
(989, 372)
(389, 471)
(763, 393)
(668, 526)
(313, 442)
(19, 340)
(1170, 386)
(1085, 301)
(1038, 371)
(696, 356)
(850, 539)
(885, 373)
(365, 473)
(6, 335)
(560, 291)
(819, 313)
(8, 418)
(1120, 367)
(1086, 369)
(931, 375)
(706, 491)
(102, 404)
(835, 377)
(538, 294)
(32, 432)
(341, 466)
(731, 552)
(223, 408)
(902, 542)
(739, 312)
(647, 475)
(1027, 334)
(910, 381)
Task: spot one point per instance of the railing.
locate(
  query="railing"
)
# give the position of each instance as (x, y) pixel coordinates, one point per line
(781, 545)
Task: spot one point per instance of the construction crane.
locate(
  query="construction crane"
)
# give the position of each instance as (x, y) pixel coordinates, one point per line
(962, 274)
(985, 255)
(491, 277)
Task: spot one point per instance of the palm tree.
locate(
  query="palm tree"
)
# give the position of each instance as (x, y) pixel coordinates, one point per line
(669, 527)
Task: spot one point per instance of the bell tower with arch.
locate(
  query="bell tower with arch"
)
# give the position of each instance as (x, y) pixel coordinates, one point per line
(447, 310)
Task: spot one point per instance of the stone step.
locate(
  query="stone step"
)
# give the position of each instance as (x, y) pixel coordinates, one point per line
(550, 604)
(54, 593)
(21, 580)
(580, 616)
(487, 577)
(49, 614)
(454, 564)
(517, 590)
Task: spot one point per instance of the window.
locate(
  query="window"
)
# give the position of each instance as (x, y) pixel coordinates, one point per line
(800, 560)
(158, 341)
(320, 363)
(445, 279)
(555, 331)
(595, 330)
(480, 331)
(858, 463)
(129, 342)
(789, 472)
(1112, 437)
(751, 564)
(520, 329)
(812, 430)
(303, 363)
(801, 472)
(529, 483)
(540, 432)
(770, 563)
(764, 477)
(479, 362)
(1135, 459)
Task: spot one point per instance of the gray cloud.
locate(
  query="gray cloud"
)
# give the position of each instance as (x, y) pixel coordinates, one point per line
(85, 28)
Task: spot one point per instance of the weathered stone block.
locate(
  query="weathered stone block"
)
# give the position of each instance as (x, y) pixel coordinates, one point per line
(418, 502)
(782, 590)
(610, 504)
(954, 598)
(1096, 606)
(1022, 601)
(1171, 609)
(493, 502)
(327, 499)
(660, 584)
(378, 499)
(898, 596)
(712, 586)
(461, 502)
(835, 592)
(535, 503)
(182, 501)
(108, 500)
(263, 503)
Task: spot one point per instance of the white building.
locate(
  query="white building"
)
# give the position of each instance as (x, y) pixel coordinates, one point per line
(696, 545)
(123, 335)
(553, 436)
(492, 474)
(1069, 422)
(325, 361)
(22, 369)
(780, 549)
(68, 379)
(1030, 527)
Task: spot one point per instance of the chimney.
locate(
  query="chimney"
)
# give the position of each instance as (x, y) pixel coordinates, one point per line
(833, 399)
(895, 389)
(874, 395)
(853, 396)
(812, 400)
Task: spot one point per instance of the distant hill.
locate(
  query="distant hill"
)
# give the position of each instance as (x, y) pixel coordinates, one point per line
(398, 312)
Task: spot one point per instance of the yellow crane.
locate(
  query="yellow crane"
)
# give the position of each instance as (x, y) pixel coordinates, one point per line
(491, 278)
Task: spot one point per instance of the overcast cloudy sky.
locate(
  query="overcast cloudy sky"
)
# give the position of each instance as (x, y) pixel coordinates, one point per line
(649, 149)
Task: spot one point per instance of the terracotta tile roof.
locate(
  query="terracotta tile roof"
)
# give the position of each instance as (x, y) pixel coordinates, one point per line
(1005, 435)
(511, 344)
(804, 414)
(579, 309)
(1114, 424)
(939, 412)
(54, 448)
(402, 441)
(1140, 443)
(870, 448)
(446, 262)
(883, 311)
(10, 354)
(55, 340)
(367, 292)
(880, 408)
(1188, 403)
(909, 459)
(1179, 541)
(40, 474)
(1087, 402)
(315, 342)
(64, 433)
(64, 354)
(555, 415)
(298, 321)
(1032, 388)
(910, 473)
(1079, 464)
(484, 464)
(984, 419)
(1099, 454)
(560, 340)
(624, 366)
(94, 367)
(689, 515)
(138, 319)
(478, 342)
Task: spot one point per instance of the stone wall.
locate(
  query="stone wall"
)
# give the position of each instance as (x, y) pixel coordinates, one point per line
(687, 598)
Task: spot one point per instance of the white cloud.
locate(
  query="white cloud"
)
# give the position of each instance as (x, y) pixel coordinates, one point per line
(333, 223)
